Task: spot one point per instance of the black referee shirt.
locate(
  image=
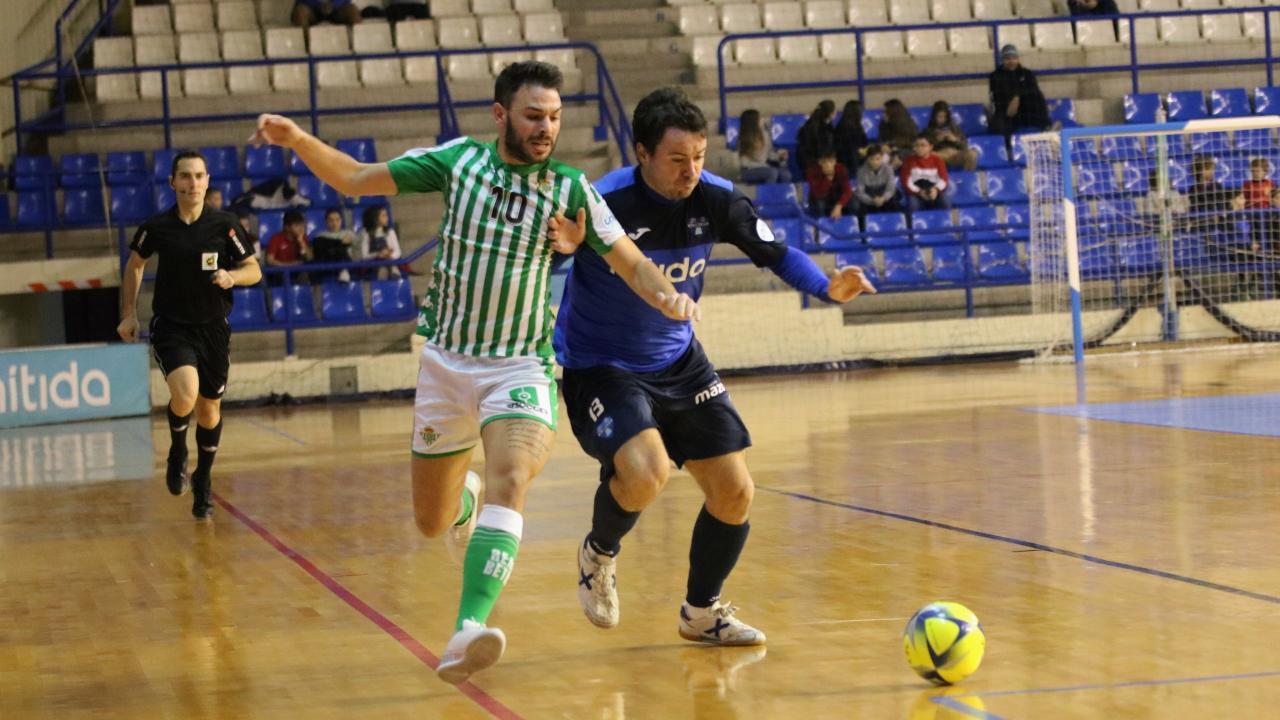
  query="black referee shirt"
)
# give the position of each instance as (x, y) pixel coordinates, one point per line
(189, 255)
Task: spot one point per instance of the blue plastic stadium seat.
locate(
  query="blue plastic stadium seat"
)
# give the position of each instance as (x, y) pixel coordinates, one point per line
(1122, 147)
(1180, 178)
(270, 222)
(1018, 218)
(791, 231)
(1266, 101)
(34, 172)
(982, 216)
(1185, 105)
(785, 127)
(1017, 153)
(362, 149)
(222, 160)
(80, 170)
(932, 220)
(991, 150)
(297, 167)
(1258, 139)
(1188, 250)
(294, 301)
(231, 188)
(162, 197)
(248, 307)
(83, 206)
(342, 301)
(1000, 261)
(1118, 207)
(971, 117)
(1208, 143)
(1135, 176)
(863, 258)
(318, 192)
(966, 189)
(841, 230)
(731, 128)
(391, 299)
(126, 168)
(893, 223)
(950, 263)
(905, 266)
(777, 200)
(162, 165)
(1140, 108)
(921, 115)
(1084, 150)
(315, 220)
(263, 163)
(1139, 255)
(1232, 171)
(871, 118)
(1095, 179)
(4, 210)
(1229, 102)
(1063, 110)
(35, 209)
(131, 203)
(1006, 186)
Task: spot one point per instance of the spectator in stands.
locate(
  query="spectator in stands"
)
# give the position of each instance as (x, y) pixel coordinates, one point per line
(1207, 195)
(876, 189)
(398, 10)
(213, 199)
(1016, 100)
(898, 129)
(1153, 203)
(851, 138)
(289, 246)
(1093, 7)
(924, 178)
(309, 12)
(249, 223)
(332, 245)
(370, 8)
(948, 139)
(758, 160)
(378, 239)
(1258, 188)
(830, 194)
(815, 133)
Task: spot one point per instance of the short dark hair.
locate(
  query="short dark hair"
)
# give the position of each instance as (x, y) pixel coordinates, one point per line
(331, 210)
(292, 216)
(186, 155)
(527, 72)
(661, 110)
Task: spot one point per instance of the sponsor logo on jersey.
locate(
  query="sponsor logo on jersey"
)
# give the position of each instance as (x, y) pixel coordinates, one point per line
(698, 225)
(209, 261)
(714, 390)
(639, 233)
(236, 239)
(429, 436)
(685, 269)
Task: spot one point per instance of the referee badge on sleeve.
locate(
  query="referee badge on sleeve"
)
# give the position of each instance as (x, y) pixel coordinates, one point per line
(209, 261)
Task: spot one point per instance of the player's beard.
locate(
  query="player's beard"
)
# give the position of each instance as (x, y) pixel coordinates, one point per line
(515, 146)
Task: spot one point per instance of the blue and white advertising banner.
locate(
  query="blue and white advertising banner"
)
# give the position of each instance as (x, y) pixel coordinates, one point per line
(40, 386)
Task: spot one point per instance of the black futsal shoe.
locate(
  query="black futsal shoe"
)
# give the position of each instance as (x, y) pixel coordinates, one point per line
(175, 475)
(201, 491)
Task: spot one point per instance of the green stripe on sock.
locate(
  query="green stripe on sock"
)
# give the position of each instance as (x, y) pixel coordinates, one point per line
(490, 557)
(465, 508)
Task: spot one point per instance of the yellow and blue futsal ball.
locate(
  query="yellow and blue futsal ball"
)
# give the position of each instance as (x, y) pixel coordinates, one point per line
(944, 642)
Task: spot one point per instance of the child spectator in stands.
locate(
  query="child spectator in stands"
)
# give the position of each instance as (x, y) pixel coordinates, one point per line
(1257, 189)
(332, 245)
(758, 160)
(1016, 100)
(876, 190)
(1207, 195)
(924, 178)
(1153, 204)
(213, 199)
(948, 139)
(815, 133)
(851, 138)
(378, 240)
(830, 194)
(309, 12)
(898, 129)
(398, 10)
(289, 247)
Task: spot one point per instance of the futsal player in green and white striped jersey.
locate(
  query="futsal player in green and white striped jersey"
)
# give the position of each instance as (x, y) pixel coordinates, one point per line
(485, 374)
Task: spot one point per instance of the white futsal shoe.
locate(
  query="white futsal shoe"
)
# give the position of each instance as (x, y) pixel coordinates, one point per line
(458, 537)
(598, 586)
(470, 650)
(716, 625)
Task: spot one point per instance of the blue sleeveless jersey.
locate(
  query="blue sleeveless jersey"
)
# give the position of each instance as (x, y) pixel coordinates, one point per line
(602, 322)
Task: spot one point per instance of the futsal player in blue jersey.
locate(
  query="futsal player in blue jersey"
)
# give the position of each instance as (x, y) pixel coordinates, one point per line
(639, 390)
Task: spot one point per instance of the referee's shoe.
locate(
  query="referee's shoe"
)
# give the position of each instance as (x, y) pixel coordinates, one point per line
(175, 475)
(201, 489)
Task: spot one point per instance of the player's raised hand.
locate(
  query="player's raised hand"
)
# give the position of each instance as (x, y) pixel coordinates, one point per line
(848, 283)
(565, 234)
(128, 329)
(679, 306)
(276, 130)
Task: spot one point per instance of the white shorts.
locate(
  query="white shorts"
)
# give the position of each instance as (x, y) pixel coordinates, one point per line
(459, 394)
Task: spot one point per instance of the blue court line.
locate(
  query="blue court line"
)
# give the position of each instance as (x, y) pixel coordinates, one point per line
(281, 433)
(1034, 546)
(950, 702)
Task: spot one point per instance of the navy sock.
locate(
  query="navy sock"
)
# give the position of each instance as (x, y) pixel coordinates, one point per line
(178, 432)
(712, 554)
(609, 522)
(207, 446)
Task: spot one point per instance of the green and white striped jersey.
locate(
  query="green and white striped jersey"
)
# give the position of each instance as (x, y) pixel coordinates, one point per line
(489, 293)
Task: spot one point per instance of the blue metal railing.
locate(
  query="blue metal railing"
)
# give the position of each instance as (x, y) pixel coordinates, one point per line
(859, 79)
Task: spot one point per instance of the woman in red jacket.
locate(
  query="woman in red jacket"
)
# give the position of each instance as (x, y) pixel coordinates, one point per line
(924, 178)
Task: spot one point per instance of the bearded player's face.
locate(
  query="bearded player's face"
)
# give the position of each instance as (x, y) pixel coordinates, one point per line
(531, 126)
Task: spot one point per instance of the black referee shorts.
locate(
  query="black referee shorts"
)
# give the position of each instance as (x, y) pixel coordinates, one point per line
(686, 402)
(206, 346)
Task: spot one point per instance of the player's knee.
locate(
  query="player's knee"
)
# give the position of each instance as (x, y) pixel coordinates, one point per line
(208, 412)
(642, 480)
(507, 485)
(732, 504)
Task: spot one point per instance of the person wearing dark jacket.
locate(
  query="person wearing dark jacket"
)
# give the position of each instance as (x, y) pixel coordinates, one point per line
(1093, 7)
(815, 133)
(1016, 99)
(851, 138)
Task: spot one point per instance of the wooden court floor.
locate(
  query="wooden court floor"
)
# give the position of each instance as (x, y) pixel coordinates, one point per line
(1120, 570)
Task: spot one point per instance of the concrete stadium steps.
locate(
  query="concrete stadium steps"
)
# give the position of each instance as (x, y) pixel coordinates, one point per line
(78, 243)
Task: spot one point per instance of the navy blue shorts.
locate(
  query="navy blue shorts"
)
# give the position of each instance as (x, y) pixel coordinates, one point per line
(686, 402)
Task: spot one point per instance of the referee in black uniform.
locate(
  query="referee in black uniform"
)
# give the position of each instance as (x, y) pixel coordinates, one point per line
(203, 253)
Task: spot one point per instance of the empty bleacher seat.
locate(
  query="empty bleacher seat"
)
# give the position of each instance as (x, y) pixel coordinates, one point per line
(782, 15)
(1221, 28)
(457, 32)
(152, 20)
(491, 7)
(740, 18)
(1135, 176)
(1146, 30)
(231, 188)
(1185, 105)
(237, 15)
(1258, 139)
(950, 263)
(330, 41)
(905, 266)
(245, 45)
(264, 163)
(542, 28)
(83, 206)
(1141, 108)
(201, 47)
(156, 50)
(777, 200)
(450, 8)
(925, 43)
(1095, 180)
(1006, 186)
(966, 188)
(79, 170)
(248, 307)
(867, 12)
(784, 128)
(1084, 150)
(909, 12)
(887, 229)
(883, 45)
(220, 160)
(1266, 101)
(824, 13)
(932, 220)
(126, 168)
(992, 9)
(790, 231)
(1018, 218)
(532, 6)
(950, 11)
(838, 48)
(1052, 36)
(342, 301)
(35, 208)
(114, 53)
(969, 40)
(318, 192)
(33, 172)
(288, 43)
(1139, 256)
(314, 219)
(1121, 147)
(467, 67)
(843, 229)
(131, 203)
(971, 117)
(982, 216)
(294, 302)
(991, 151)
(1095, 33)
(798, 49)
(1229, 102)
(391, 299)
(1000, 261)
(755, 51)
(362, 149)
(1179, 30)
(1063, 112)
(192, 17)
(698, 20)
(862, 258)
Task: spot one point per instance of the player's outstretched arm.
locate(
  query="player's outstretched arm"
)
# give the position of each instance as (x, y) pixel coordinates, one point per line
(343, 172)
(798, 270)
(848, 283)
(646, 280)
(130, 283)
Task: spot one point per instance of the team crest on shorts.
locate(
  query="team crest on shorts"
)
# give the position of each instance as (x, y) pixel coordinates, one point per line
(429, 436)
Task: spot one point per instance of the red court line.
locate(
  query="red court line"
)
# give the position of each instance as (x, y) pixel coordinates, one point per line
(407, 641)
